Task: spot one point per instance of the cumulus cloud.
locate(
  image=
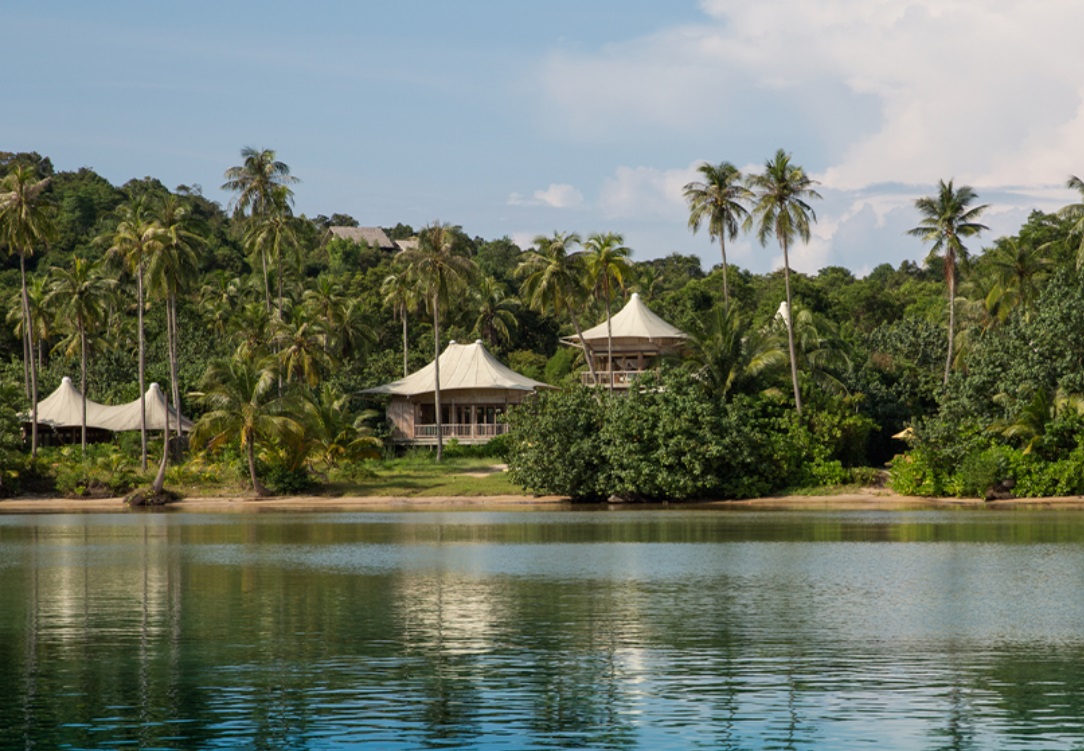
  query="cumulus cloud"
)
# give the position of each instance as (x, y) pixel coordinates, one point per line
(877, 98)
(557, 195)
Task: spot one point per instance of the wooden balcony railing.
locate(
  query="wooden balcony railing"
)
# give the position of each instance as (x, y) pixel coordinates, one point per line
(619, 378)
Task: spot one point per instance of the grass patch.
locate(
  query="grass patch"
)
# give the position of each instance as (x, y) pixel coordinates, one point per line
(421, 475)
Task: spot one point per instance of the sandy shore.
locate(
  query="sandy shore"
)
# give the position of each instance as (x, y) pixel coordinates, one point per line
(872, 498)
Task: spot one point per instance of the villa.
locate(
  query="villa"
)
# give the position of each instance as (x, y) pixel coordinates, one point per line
(476, 390)
(639, 338)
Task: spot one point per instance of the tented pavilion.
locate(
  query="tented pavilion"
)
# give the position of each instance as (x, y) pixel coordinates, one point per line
(639, 338)
(476, 389)
(62, 414)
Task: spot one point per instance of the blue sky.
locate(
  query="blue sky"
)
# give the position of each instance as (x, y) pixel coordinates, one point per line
(522, 117)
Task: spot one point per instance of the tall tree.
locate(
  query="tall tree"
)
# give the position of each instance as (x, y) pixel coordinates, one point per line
(945, 219)
(496, 317)
(1075, 212)
(607, 260)
(136, 238)
(81, 296)
(554, 279)
(439, 269)
(401, 294)
(243, 405)
(26, 219)
(255, 180)
(782, 210)
(720, 199)
(269, 234)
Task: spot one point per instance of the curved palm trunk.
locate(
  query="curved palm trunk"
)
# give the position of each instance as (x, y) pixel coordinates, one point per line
(583, 345)
(28, 325)
(257, 486)
(609, 337)
(83, 375)
(173, 367)
(790, 331)
(406, 344)
(950, 274)
(436, 372)
(726, 285)
(142, 375)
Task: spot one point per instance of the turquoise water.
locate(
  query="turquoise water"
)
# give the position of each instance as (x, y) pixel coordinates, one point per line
(638, 629)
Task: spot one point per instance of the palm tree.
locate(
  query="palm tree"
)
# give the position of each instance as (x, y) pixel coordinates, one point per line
(301, 350)
(946, 218)
(401, 294)
(1019, 269)
(333, 434)
(170, 267)
(243, 405)
(26, 219)
(136, 238)
(554, 279)
(720, 199)
(496, 317)
(255, 180)
(81, 296)
(607, 262)
(729, 355)
(269, 233)
(439, 270)
(782, 210)
(1075, 212)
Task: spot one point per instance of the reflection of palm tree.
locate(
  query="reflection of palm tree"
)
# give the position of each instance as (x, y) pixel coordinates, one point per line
(135, 239)
(439, 269)
(26, 219)
(782, 211)
(243, 406)
(607, 263)
(554, 279)
(946, 218)
(81, 296)
(719, 199)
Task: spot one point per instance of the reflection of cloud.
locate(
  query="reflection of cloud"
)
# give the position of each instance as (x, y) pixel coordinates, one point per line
(557, 195)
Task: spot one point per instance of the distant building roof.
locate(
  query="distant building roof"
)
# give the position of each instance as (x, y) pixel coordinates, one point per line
(634, 321)
(462, 366)
(374, 237)
(411, 243)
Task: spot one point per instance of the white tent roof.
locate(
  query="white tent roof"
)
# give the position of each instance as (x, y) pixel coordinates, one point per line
(126, 416)
(462, 366)
(64, 409)
(634, 321)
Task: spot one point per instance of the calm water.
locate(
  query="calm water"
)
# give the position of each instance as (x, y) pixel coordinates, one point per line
(528, 630)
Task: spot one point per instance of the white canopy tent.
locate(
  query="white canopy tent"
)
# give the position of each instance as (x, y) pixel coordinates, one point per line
(462, 366)
(64, 409)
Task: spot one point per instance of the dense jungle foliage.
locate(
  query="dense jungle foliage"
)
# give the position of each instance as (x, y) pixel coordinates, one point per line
(265, 328)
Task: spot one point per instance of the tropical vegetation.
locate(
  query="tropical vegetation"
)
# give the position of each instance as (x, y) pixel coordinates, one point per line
(963, 373)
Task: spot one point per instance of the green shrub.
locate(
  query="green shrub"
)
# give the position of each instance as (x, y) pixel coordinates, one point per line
(283, 480)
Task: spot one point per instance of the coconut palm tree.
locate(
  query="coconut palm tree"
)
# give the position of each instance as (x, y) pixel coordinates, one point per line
(333, 433)
(243, 405)
(1020, 270)
(268, 234)
(720, 199)
(606, 259)
(136, 238)
(26, 220)
(729, 356)
(1075, 212)
(946, 218)
(782, 210)
(81, 296)
(554, 279)
(496, 319)
(172, 264)
(300, 344)
(256, 179)
(439, 270)
(401, 294)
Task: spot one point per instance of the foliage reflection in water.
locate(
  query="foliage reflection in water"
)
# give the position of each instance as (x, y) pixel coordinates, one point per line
(634, 629)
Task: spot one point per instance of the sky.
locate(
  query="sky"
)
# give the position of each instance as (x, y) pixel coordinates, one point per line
(524, 117)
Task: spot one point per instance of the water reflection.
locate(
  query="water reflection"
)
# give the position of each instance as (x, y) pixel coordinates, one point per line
(522, 631)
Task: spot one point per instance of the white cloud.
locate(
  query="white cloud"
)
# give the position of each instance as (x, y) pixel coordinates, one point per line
(640, 192)
(557, 195)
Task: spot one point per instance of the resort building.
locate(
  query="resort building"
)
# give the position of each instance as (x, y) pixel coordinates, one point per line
(476, 389)
(60, 416)
(639, 338)
(374, 237)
